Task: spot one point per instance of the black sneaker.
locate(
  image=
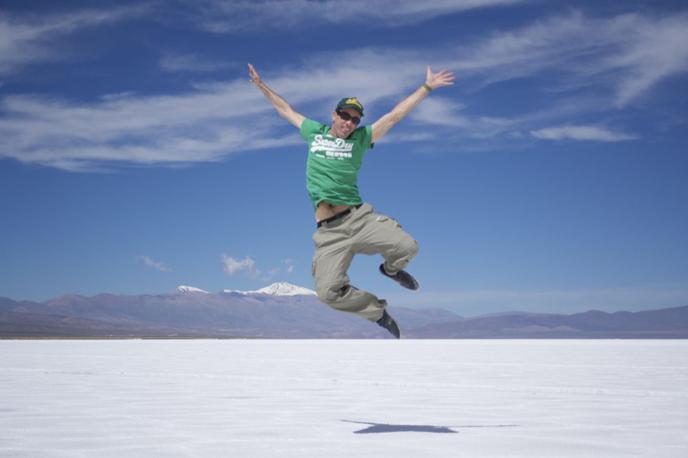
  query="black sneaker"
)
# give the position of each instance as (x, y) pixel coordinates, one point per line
(389, 324)
(402, 277)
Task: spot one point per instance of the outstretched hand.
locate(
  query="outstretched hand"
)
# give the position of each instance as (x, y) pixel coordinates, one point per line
(253, 74)
(435, 80)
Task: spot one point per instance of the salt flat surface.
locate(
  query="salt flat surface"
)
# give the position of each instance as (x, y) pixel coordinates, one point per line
(344, 398)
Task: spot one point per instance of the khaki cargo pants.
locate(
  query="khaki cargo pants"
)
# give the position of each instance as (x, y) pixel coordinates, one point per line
(361, 232)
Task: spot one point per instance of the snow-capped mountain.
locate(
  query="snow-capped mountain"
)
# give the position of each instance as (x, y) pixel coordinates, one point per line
(285, 289)
(190, 289)
(278, 289)
(194, 314)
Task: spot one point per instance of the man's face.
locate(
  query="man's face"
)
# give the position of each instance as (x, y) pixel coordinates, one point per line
(342, 128)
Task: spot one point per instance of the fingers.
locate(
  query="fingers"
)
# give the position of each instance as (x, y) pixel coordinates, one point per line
(443, 78)
(253, 74)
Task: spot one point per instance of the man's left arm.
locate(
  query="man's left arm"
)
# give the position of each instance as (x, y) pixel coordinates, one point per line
(399, 112)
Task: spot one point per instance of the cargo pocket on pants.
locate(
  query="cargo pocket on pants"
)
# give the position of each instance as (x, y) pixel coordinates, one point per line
(385, 218)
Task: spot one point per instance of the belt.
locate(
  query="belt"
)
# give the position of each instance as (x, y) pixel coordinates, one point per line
(339, 215)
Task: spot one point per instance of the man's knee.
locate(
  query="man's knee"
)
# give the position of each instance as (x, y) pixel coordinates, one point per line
(408, 247)
(330, 293)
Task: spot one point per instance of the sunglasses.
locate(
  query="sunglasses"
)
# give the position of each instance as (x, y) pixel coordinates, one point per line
(347, 117)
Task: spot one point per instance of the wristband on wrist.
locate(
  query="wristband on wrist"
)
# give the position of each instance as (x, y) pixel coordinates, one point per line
(427, 87)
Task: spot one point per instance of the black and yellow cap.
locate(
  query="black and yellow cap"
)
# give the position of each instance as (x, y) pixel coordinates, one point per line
(350, 102)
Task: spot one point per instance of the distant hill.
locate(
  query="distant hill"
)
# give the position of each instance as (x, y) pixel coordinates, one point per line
(288, 311)
(278, 311)
(670, 323)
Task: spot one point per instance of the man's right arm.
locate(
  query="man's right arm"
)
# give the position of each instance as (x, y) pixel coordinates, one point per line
(282, 106)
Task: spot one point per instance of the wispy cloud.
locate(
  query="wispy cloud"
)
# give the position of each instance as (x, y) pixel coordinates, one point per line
(441, 111)
(195, 126)
(233, 266)
(569, 53)
(190, 127)
(26, 40)
(229, 16)
(629, 53)
(659, 49)
(594, 133)
(152, 263)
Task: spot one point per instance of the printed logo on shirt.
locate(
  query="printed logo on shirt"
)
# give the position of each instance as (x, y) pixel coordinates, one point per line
(338, 148)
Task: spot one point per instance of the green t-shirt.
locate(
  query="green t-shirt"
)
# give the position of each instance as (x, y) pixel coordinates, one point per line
(333, 163)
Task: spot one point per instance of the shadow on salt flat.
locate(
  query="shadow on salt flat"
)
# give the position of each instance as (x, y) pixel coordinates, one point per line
(376, 428)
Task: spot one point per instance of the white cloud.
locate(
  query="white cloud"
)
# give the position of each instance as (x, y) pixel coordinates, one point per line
(233, 266)
(516, 53)
(441, 111)
(197, 126)
(153, 264)
(32, 39)
(628, 53)
(594, 133)
(658, 49)
(222, 16)
(192, 127)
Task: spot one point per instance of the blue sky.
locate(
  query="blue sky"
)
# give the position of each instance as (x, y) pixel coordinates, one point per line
(135, 155)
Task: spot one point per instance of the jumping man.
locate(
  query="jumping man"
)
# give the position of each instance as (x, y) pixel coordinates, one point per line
(347, 226)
